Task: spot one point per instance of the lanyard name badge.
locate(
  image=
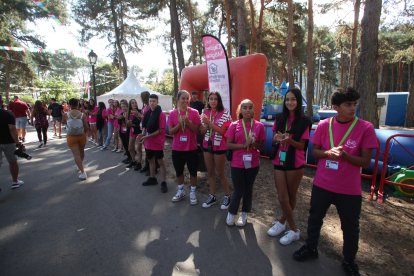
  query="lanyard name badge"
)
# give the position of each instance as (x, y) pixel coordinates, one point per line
(183, 137)
(248, 156)
(282, 152)
(332, 164)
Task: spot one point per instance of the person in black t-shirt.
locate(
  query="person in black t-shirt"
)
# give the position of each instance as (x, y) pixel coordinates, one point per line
(195, 103)
(8, 142)
(56, 111)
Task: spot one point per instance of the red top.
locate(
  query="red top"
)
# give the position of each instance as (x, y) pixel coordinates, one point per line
(18, 108)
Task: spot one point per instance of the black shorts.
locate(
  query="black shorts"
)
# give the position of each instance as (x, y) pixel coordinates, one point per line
(180, 158)
(217, 152)
(158, 154)
(282, 168)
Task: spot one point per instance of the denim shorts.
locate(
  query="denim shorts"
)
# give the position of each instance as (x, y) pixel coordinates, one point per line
(21, 122)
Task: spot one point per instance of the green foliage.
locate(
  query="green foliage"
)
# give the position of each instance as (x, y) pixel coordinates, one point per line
(27, 99)
(165, 85)
(107, 78)
(55, 87)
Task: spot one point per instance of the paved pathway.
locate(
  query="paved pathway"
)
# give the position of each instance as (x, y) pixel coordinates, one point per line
(111, 225)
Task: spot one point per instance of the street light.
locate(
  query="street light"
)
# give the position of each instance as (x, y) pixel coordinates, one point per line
(92, 61)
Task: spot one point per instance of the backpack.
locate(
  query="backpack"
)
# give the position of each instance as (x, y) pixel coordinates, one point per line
(74, 126)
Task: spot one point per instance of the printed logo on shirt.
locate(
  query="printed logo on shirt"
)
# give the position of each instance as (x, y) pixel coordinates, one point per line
(351, 144)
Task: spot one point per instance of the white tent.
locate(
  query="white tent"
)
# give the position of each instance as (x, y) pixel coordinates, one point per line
(130, 88)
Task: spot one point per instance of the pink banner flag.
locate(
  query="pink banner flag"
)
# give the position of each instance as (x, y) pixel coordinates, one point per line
(217, 68)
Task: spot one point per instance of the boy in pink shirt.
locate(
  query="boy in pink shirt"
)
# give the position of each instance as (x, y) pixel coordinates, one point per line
(343, 145)
(153, 127)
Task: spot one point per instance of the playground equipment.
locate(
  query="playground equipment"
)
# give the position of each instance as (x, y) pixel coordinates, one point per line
(404, 177)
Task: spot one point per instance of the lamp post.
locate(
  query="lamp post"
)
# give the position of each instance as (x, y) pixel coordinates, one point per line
(92, 61)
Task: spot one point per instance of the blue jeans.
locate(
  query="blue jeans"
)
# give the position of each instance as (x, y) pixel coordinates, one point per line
(110, 130)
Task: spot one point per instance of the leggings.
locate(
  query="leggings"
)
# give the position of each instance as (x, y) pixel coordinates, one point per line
(40, 131)
(243, 180)
(125, 142)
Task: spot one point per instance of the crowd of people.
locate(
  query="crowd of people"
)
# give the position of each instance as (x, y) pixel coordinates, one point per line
(342, 145)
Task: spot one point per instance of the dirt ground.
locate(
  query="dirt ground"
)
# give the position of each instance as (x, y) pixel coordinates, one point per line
(386, 245)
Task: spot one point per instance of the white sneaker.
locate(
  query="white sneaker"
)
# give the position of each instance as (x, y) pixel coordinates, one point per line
(289, 237)
(242, 219)
(276, 229)
(193, 198)
(118, 150)
(179, 195)
(82, 176)
(230, 219)
(17, 184)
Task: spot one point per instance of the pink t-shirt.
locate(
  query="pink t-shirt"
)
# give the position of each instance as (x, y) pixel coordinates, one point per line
(92, 118)
(118, 112)
(157, 142)
(221, 119)
(108, 112)
(145, 109)
(235, 134)
(184, 140)
(299, 153)
(347, 178)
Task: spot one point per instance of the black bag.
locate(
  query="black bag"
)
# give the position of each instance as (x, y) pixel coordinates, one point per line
(229, 155)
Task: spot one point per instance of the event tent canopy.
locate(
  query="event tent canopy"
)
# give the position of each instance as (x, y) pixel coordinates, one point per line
(131, 88)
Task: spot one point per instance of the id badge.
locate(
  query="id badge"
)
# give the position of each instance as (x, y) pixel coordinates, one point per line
(183, 138)
(124, 129)
(332, 165)
(216, 143)
(282, 156)
(247, 160)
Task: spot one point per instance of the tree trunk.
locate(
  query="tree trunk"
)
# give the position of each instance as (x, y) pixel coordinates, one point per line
(289, 44)
(177, 35)
(367, 76)
(228, 25)
(400, 75)
(253, 40)
(310, 79)
(193, 42)
(174, 64)
(241, 28)
(260, 28)
(409, 119)
(117, 30)
(342, 69)
(357, 6)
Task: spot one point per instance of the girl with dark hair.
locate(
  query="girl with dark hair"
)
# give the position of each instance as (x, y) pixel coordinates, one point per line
(134, 122)
(41, 123)
(116, 110)
(184, 123)
(244, 137)
(92, 111)
(290, 138)
(145, 96)
(101, 122)
(215, 120)
(124, 129)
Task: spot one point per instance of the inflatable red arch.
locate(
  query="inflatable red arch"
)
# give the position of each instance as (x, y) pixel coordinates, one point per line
(247, 77)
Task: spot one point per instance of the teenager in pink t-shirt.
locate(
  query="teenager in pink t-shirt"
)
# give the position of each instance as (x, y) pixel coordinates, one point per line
(117, 138)
(184, 123)
(134, 122)
(216, 119)
(343, 145)
(244, 138)
(153, 127)
(110, 116)
(145, 107)
(290, 136)
(92, 112)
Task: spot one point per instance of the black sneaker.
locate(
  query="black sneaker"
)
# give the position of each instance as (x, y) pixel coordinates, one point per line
(350, 268)
(164, 188)
(131, 164)
(211, 200)
(126, 161)
(305, 253)
(137, 166)
(150, 181)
